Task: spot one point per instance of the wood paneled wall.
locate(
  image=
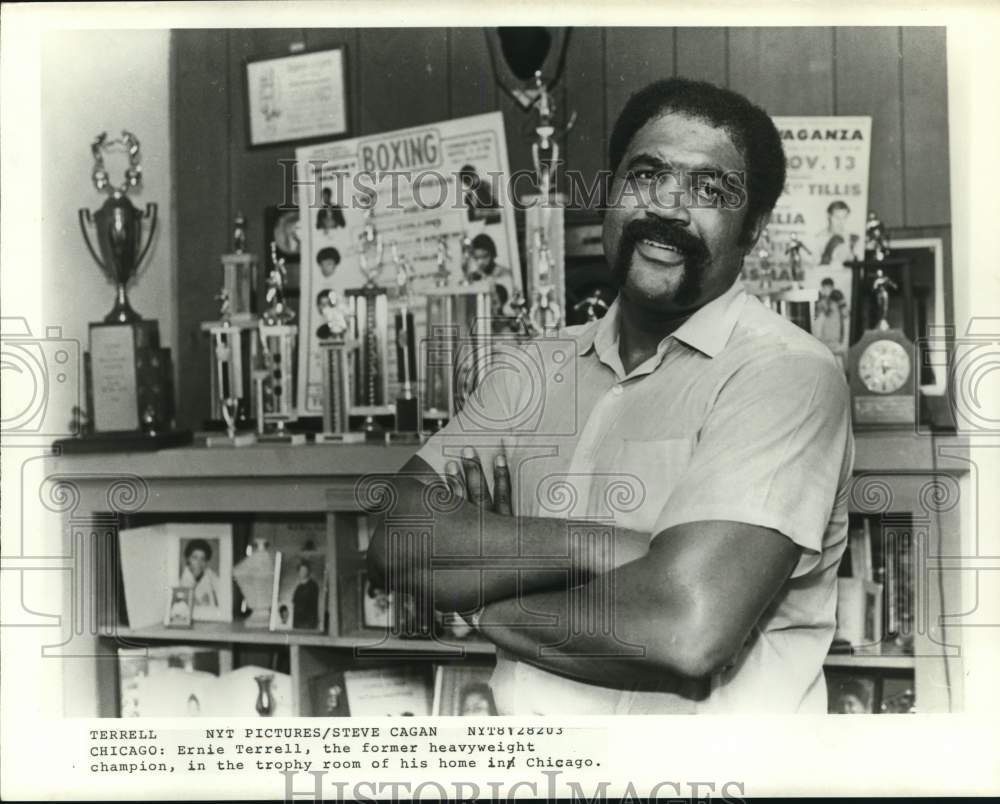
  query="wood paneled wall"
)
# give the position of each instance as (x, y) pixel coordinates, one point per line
(403, 77)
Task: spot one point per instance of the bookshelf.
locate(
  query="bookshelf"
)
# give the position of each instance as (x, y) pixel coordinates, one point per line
(896, 473)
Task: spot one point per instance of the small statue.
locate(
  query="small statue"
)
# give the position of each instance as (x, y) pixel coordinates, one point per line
(370, 248)
(222, 297)
(277, 311)
(876, 238)
(593, 306)
(239, 233)
(880, 288)
(404, 275)
(793, 252)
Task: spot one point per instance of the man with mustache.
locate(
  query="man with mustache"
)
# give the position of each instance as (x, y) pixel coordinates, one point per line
(667, 508)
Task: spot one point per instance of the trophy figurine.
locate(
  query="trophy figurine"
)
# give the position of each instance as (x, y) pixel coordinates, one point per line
(876, 239)
(794, 254)
(407, 404)
(129, 375)
(334, 347)
(369, 305)
(881, 286)
(274, 372)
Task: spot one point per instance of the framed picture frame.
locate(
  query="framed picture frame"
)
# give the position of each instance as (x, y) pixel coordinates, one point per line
(200, 556)
(180, 605)
(463, 690)
(328, 695)
(851, 693)
(299, 598)
(296, 97)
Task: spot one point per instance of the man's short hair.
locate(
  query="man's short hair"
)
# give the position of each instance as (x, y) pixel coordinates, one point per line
(748, 126)
(328, 253)
(838, 204)
(826, 282)
(198, 544)
(485, 242)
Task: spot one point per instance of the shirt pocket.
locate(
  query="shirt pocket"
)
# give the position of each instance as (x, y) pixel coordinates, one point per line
(653, 468)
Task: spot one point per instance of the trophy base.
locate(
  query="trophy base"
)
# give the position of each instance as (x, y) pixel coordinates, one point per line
(292, 439)
(403, 439)
(238, 440)
(340, 438)
(123, 442)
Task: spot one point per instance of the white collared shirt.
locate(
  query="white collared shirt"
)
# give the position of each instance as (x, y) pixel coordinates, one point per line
(740, 415)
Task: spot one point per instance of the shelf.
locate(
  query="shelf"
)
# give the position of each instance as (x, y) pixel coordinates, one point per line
(870, 662)
(238, 633)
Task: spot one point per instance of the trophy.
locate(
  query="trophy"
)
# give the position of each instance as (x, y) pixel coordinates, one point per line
(544, 225)
(407, 404)
(334, 347)
(233, 339)
(273, 374)
(369, 306)
(129, 375)
(458, 343)
(880, 366)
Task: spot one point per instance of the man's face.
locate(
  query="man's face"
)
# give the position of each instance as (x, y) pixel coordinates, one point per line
(671, 243)
(333, 697)
(197, 562)
(482, 261)
(303, 573)
(327, 266)
(825, 290)
(838, 220)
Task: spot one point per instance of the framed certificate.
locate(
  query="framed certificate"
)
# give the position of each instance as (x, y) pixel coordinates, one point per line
(297, 97)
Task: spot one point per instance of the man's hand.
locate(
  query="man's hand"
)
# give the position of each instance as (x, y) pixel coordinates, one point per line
(467, 479)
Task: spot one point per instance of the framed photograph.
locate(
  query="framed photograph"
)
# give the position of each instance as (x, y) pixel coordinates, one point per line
(298, 97)
(200, 557)
(378, 607)
(850, 694)
(328, 695)
(463, 690)
(180, 603)
(299, 601)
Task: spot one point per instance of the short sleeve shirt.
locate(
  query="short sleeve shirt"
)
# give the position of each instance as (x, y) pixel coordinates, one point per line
(741, 416)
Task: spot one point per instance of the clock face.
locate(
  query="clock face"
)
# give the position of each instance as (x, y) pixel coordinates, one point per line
(884, 367)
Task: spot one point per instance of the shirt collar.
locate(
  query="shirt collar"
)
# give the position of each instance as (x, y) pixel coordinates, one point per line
(707, 330)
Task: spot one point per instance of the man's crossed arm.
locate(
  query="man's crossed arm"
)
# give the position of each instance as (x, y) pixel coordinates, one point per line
(681, 604)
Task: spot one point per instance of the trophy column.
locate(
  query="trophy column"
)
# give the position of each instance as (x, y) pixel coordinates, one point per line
(274, 369)
(334, 352)
(233, 341)
(457, 349)
(370, 310)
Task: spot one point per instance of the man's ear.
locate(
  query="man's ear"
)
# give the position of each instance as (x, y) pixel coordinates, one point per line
(754, 233)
